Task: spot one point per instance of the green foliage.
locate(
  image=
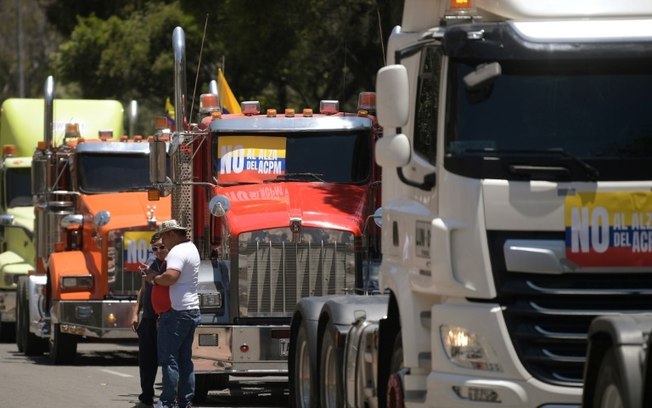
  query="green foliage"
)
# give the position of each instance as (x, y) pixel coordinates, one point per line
(283, 53)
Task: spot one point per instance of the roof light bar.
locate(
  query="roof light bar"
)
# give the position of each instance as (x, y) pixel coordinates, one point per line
(249, 108)
(367, 101)
(208, 103)
(329, 107)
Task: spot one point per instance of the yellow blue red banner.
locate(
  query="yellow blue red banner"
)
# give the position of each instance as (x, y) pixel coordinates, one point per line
(609, 229)
(136, 249)
(250, 159)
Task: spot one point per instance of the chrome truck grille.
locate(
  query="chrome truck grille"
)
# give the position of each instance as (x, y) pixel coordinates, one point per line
(548, 315)
(275, 271)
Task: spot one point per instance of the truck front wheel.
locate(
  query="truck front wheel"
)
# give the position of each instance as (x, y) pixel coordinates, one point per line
(27, 342)
(63, 346)
(608, 391)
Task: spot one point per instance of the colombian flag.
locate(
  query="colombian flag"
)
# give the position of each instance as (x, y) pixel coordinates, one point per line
(227, 100)
(169, 113)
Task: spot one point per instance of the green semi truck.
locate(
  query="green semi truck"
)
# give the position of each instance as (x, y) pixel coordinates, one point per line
(21, 128)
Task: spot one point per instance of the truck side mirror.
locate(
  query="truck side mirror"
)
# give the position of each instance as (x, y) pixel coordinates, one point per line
(157, 161)
(392, 96)
(219, 205)
(392, 106)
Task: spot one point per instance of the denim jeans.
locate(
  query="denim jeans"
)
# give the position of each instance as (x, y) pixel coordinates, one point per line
(176, 329)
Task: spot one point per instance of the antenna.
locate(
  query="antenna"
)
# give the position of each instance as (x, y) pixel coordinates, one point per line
(201, 49)
(380, 31)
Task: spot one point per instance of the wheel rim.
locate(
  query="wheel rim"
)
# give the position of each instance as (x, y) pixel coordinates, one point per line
(330, 380)
(394, 392)
(611, 398)
(303, 374)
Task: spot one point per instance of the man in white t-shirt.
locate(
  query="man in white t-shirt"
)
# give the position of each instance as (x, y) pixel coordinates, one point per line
(177, 326)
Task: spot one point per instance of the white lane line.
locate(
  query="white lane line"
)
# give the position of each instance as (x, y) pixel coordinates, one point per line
(116, 373)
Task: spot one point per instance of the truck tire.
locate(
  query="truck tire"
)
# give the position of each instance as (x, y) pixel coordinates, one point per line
(608, 391)
(19, 330)
(201, 389)
(63, 347)
(330, 375)
(207, 382)
(395, 393)
(7, 332)
(27, 342)
(303, 384)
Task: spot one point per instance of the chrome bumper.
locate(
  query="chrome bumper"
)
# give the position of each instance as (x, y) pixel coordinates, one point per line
(245, 350)
(100, 319)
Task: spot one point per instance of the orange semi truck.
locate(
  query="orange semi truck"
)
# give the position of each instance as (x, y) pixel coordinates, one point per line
(93, 223)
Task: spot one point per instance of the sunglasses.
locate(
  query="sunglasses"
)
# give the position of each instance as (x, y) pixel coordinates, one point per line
(156, 248)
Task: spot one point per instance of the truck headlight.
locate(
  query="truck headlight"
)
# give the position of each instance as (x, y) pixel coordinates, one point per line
(82, 282)
(468, 349)
(210, 300)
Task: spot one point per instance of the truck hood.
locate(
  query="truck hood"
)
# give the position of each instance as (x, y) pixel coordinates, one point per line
(319, 205)
(126, 209)
(23, 216)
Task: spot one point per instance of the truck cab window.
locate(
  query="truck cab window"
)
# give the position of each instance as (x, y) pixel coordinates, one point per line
(18, 185)
(425, 123)
(107, 173)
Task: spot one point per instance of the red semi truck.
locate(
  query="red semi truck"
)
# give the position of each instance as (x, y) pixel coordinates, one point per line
(279, 206)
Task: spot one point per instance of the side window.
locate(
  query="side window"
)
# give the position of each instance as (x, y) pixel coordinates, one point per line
(425, 132)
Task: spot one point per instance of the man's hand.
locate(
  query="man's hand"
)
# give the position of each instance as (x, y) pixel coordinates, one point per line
(134, 322)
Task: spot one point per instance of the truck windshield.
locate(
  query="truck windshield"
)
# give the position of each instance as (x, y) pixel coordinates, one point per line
(332, 157)
(109, 173)
(596, 112)
(19, 187)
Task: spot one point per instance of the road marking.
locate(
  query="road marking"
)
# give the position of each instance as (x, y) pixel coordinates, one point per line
(116, 373)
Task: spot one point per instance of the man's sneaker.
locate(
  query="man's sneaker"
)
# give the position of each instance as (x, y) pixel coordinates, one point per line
(159, 404)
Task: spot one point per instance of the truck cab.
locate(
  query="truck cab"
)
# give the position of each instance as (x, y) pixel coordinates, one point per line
(21, 128)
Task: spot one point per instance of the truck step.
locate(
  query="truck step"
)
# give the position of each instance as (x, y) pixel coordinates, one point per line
(425, 360)
(425, 319)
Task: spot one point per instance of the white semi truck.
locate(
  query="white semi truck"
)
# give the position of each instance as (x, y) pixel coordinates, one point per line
(516, 207)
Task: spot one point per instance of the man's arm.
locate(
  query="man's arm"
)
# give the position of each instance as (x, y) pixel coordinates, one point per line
(167, 278)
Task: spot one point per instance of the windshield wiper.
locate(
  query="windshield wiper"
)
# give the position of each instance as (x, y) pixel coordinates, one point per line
(591, 172)
(296, 177)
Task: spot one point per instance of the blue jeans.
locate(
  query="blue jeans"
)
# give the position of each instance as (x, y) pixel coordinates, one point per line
(175, 333)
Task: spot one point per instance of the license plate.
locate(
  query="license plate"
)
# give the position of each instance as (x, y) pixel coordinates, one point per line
(285, 347)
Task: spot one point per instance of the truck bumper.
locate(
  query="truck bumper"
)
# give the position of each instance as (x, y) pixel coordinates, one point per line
(241, 350)
(8, 306)
(449, 385)
(99, 319)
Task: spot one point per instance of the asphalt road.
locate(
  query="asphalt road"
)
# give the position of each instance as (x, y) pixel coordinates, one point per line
(103, 376)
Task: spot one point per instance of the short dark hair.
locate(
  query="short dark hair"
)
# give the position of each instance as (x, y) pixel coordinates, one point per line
(154, 238)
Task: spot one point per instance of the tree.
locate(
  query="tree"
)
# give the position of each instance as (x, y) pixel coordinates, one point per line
(283, 53)
(25, 35)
